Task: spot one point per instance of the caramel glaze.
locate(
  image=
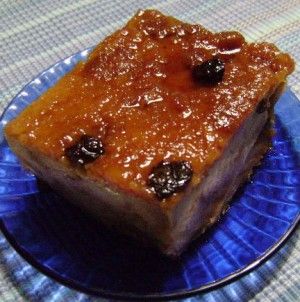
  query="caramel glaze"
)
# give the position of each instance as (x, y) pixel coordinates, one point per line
(136, 93)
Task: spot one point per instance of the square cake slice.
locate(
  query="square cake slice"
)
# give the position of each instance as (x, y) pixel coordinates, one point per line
(157, 129)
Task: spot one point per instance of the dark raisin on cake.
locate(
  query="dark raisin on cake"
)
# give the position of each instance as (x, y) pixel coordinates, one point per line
(86, 150)
(209, 72)
(170, 177)
(263, 106)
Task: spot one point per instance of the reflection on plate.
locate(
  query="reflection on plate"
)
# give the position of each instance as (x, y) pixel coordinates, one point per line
(69, 246)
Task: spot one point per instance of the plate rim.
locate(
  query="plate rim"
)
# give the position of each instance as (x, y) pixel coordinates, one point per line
(129, 295)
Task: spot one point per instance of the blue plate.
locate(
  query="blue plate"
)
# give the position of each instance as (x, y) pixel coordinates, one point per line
(72, 248)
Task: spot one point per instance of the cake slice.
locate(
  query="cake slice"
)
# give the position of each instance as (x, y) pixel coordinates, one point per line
(157, 129)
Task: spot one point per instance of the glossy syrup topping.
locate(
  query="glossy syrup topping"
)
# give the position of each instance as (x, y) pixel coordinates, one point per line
(143, 94)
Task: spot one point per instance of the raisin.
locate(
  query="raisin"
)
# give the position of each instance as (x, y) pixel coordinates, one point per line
(170, 177)
(86, 150)
(263, 106)
(209, 72)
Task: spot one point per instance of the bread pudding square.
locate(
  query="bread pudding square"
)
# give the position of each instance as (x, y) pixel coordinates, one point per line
(157, 129)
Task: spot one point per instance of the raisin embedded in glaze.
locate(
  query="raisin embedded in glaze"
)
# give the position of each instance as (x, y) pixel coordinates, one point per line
(209, 72)
(170, 177)
(93, 146)
(86, 150)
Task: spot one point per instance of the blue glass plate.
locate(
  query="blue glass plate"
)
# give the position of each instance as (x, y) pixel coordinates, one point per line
(72, 248)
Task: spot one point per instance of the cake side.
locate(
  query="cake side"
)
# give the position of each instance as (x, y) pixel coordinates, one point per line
(202, 206)
(119, 210)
